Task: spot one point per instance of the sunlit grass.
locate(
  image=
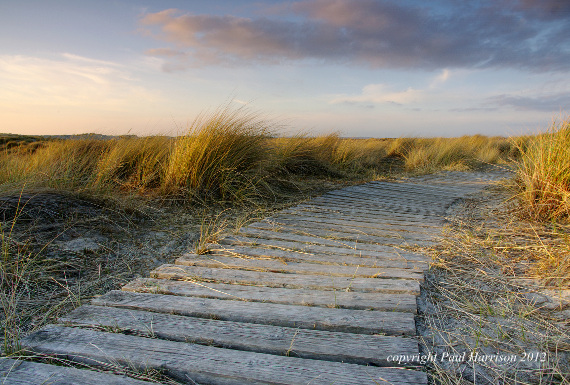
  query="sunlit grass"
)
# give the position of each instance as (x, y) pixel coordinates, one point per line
(219, 156)
(230, 155)
(543, 174)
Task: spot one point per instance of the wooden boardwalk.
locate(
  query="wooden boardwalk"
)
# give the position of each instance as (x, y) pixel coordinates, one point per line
(320, 293)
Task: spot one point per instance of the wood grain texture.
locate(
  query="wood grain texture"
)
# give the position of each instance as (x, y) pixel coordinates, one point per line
(305, 317)
(342, 232)
(314, 344)
(280, 266)
(17, 372)
(293, 281)
(356, 224)
(335, 253)
(303, 297)
(206, 364)
(305, 237)
(293, 252)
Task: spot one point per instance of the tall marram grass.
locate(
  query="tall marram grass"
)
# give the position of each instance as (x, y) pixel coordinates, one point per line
(543, 173)
(230, 155)
(220, 155)
(463, 153)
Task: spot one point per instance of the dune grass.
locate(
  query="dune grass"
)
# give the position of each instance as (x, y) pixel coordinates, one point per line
(543, 174)
(219, 157)
(234, 156)
(231, 155)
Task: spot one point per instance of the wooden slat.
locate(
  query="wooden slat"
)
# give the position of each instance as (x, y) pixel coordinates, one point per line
(378, 213)
(422, 185)
(294, 281)
(391, 191)
(311, 238)
(322, 231)
(194, 363)
(331, 229)
(304, 297)
(278, 340)
(379, 207)
(335, 253)
(420, 201)
(17, 372)
(305, 317)
(409, 187)
(280, 266)
(269, 251)
(401, 211)
(359, 214)
(356, 223)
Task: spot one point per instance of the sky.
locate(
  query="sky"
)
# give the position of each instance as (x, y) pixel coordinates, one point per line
(361, 68)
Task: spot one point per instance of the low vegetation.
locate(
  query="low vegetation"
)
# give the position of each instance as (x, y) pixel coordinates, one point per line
(233, 157)
(543, 174)
(500, 281)
(229, 155)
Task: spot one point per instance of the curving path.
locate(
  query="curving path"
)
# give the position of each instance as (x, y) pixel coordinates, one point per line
(320, 293)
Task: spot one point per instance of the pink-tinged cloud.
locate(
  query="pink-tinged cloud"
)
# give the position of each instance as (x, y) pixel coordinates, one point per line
(376, 33)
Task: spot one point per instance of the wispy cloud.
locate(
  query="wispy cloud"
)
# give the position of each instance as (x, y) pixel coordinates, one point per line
(379, 94)
(548, 103)
(441, 78)
(524, 34)
(69, 80)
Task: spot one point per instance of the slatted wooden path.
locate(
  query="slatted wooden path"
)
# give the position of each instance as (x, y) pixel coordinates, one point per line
(320, 293)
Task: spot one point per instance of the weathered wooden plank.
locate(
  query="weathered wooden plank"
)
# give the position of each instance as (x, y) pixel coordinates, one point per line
(399, 189)
(194, 363)
(279, 266)
(396, 208)
(404, 191)
(401, 199)
(324, 232)
(294, 281)
(416, 263)
(405, 197)
(304, 317)
(425, 185)
(356, 213)
(408, 215)
(377, 226)
(17, 372)
(417, 186)
(382, 224)
(287, 236)
(375, 235)
(278, 340)
(302, 297)
(387, 252)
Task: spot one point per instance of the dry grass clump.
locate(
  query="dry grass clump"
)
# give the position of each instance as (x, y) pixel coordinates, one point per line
(484, 296)
(304, 156)
(543, 174)
(458, 154)
(219, 156)
(88, 165)
(133, 164)
(227, 155)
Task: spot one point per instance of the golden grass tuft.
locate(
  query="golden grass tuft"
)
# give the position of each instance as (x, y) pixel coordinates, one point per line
(543, 174)
(457, 154)
(228, 155)
(219, 156)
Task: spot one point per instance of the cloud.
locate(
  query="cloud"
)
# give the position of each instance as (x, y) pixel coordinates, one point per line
(523, 34)
(379, 94)
(69, 80)
(546, 103)
(441, 78)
